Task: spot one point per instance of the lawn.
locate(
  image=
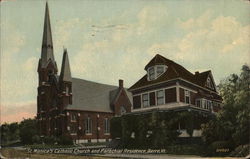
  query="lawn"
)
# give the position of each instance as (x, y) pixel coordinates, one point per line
(13, 153)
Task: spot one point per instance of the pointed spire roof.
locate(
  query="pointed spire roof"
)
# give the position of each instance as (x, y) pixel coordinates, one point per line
(65, 70)
(47, 44)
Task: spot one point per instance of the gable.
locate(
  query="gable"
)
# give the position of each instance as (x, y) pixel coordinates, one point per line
(174, 71)
(209, 83)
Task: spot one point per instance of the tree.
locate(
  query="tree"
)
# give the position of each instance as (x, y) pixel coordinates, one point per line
(9, 133)
(28, 129)
(232, 122)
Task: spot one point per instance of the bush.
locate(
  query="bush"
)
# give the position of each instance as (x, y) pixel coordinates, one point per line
(115, 127)
(36, 139)
(65, 140)
(28, 129)
(49, 140)
(241, 151)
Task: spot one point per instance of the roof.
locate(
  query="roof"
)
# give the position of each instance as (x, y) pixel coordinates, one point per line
(113, 95)
(91, 96)
(47, 44)
(201, 78)
(65, 70)
(173, 71)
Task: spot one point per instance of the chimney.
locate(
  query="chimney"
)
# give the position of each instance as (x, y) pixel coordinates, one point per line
(197, 73)
(120, 83)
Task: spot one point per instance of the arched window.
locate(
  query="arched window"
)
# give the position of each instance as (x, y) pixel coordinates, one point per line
(123, 110)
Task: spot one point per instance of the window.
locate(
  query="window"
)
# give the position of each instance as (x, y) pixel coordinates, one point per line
(198, 103)
(67, 90)
(159, 70)
(145, 100)
(156, 71)
(73, 117)
(123, 110)
(106, 126)
(151, 73)
(73, 129)
(187, 96)
(209, 83)
(88, 126)
(160, 97)
(209, 104)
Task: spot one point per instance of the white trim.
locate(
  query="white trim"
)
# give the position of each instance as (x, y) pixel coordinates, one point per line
(177, 92)
(93, 140)
(164, 106)
(73, 134)
(106, 133)
(142, 100)
(81, 141)
(188, 89)
(169, 106)
(102, 140)
(172, 80)
(155, 90)
(163, 90)
(88, 134)
(187, 94)
(148, 92)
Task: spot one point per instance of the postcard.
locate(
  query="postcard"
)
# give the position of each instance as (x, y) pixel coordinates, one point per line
(125, 79)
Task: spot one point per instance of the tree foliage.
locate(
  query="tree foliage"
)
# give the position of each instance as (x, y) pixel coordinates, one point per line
(9, 133)
(28, 129)
(154, 130)
(232, 122)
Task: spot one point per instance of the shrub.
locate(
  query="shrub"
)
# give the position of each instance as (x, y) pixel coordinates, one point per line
(65, 140)
(241, 151)
(115, 127)
(49, 140)
(36, 139)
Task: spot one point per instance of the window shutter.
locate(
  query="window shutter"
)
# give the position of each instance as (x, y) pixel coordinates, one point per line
(152, 98)
(182, 95)
(170, 95)
(137, 102)
(192, 96)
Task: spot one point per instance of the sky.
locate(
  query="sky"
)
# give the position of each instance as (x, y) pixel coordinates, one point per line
(108, 40)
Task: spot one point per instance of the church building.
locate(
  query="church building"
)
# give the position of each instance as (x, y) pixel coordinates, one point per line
(74, 107)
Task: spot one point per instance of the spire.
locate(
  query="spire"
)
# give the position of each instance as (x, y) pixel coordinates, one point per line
(47, 44)
(65, 70)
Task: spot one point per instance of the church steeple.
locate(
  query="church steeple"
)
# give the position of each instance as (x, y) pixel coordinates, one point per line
(47, 44)
(65, 70)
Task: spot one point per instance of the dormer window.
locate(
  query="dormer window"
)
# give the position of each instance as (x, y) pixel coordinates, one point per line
(156, 71)
(151, 73)
(159, 70)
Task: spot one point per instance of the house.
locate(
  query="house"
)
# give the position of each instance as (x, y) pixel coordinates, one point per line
(74, 107)
(167, 86)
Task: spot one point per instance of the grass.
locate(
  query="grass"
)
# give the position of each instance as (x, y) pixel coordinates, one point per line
(13, 153)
